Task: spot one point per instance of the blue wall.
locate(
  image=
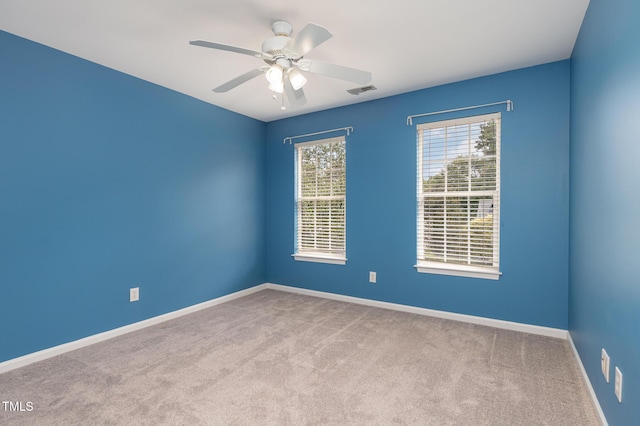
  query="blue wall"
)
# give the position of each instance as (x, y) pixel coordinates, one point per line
(381, 207)
(604, 300)
(109, 182)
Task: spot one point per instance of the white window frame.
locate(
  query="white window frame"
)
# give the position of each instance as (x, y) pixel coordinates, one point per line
(442, 267)
(310, 255)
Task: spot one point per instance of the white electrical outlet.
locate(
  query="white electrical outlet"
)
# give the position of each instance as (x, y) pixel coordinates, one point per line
(618, 385)
(604, 363)
(372, 277)
(134, 294)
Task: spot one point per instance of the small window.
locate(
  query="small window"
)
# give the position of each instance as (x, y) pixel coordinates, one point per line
(321, 201)
(458, 197)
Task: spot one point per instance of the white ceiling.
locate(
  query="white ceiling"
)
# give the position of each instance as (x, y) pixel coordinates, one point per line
(406, 44)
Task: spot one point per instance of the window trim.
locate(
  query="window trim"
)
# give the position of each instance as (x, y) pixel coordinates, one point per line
(320, 258)
(442, 268)
(310, 256)
(458, 270)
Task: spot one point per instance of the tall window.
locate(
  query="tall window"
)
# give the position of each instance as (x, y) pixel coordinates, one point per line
(458, 192)
(320, 201)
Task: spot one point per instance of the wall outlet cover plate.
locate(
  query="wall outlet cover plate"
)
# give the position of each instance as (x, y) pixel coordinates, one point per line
(604, 362)
(618, 385)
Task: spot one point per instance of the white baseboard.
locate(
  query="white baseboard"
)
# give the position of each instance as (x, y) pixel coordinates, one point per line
(100, 337)
(14, 363)
(603, 419)
(507, 325)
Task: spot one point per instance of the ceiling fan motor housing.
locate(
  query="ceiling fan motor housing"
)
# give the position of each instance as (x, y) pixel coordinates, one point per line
(275, 45)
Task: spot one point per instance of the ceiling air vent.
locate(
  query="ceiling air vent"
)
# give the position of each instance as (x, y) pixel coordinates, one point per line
(359, 90)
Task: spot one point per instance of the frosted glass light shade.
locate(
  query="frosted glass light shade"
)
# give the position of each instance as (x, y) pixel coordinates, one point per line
(297, 79)
(274, 74)
(278, 87)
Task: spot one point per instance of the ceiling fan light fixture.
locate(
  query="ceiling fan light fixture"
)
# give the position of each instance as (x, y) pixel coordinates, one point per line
(278, 87)
(297, 79)
(274, 75)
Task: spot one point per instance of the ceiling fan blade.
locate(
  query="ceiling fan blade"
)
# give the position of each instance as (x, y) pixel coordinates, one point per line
(239, 80)
(296, 97)
(229, 48)
(309, 37)
(337, 71)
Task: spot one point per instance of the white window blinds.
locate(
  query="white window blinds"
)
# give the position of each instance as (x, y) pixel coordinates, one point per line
(458, 197)
(320, 201)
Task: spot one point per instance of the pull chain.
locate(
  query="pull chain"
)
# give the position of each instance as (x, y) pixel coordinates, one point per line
(283, 107)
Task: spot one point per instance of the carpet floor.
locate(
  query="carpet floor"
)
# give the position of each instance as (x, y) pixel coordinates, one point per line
(287, 359)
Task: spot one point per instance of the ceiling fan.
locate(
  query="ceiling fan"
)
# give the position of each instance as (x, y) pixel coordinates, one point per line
(284, 58)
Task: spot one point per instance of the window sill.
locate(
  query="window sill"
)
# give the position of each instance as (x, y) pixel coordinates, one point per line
(319, 258)
(458, 270)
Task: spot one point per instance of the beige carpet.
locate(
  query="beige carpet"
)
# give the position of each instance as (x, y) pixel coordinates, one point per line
(280, 358)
